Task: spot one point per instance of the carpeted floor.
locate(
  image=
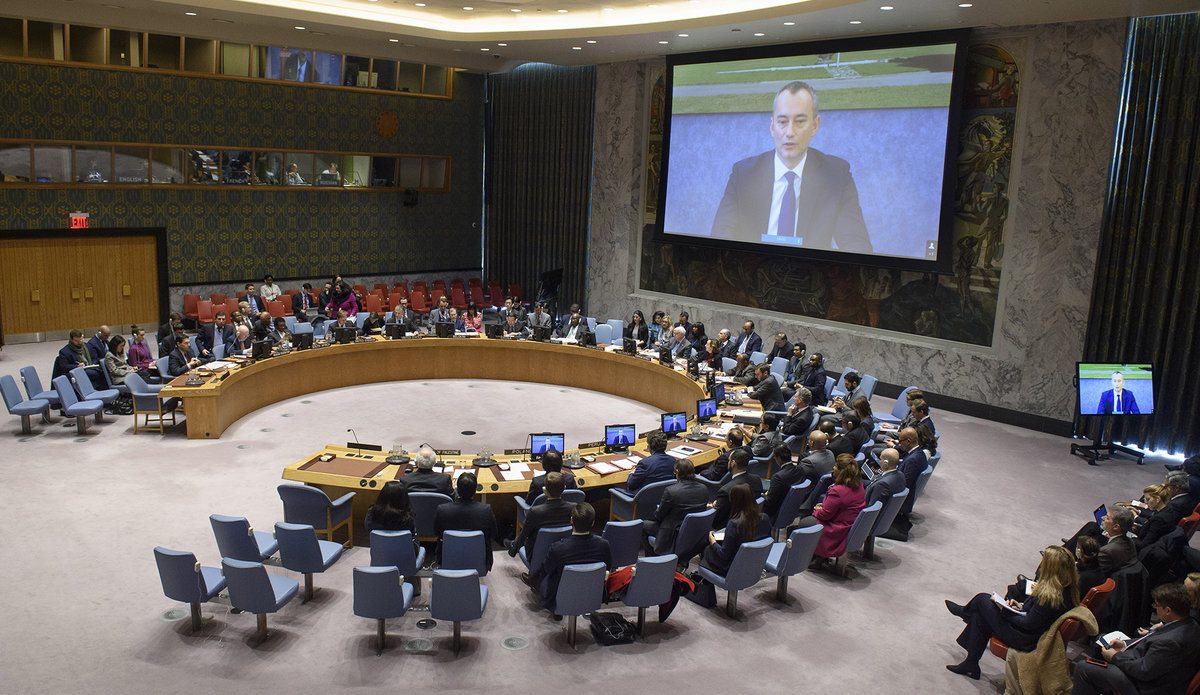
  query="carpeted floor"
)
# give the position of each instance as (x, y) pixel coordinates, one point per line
(84, 611)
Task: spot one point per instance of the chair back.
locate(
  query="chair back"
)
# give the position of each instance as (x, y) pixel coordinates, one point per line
(574, 496)
(180, 575)
(648, 497)
(143, 397)
(624, 540)
(728, 364)
(249, 585)
(862, 526)
(922, 481)
(798, 550)
(868, 386)
(10, 393)
(748, 564)
(818, 490)
(888, 514)
(204, 311)
(541, 545)
(839, 385)
(217, 298)
(66, 392)
(829, 384)
(900, 408)
(1187, 523)
(581, 589)
(1098, 596)
(604, 334)
(299, 550)
(33, 383)
(618, 326)
(779, 368)
(83, 383)
(464, 550)
(394, 548)
(692, 531)
(163, 363)
(304, 505)
(424, 506)
(653, 581)
(190, 303)
(456, 595)
(790, 508)
(235, 538)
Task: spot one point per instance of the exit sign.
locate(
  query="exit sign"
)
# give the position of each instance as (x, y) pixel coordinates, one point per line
(79, 220)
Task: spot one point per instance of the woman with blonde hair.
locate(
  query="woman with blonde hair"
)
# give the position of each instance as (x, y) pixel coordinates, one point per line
(1019, 625)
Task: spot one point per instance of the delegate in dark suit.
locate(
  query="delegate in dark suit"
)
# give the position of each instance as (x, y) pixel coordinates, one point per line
(814, 381)
(816, 464)
(178, 363)
(549, 514)
(97, 348)
(1107, 405)
(678, 500)
(652, 469)
(538, 485)
(576, 549)
(789, 474)
(422, 480)
(1165, 519)
(785, 351)
(768, 394)
(1118, 552)
(798, 422)
(747, 345)
(721, 503)
(719, 556)
(461, 515)
(828, 208)
(207, 336)
(884, 486)
(1162, 663)
(301, 301)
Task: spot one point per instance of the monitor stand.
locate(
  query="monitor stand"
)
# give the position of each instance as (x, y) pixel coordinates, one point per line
(1100, 450)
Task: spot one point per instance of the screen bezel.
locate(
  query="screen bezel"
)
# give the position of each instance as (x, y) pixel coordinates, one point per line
(718, 392)
(561, 437)
(663, 422)
(706, 418)
(944, 262)
(613, 429)
(1127, 363)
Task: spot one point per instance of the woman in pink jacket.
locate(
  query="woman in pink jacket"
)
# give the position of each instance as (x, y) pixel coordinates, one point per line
(343, 299)
(844, 500)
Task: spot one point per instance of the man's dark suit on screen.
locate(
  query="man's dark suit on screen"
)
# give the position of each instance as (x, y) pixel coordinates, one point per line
(1108, 403)
(828, 208)
(461, 515)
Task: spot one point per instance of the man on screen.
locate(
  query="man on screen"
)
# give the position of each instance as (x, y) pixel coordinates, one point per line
(1117, 399)
(794, 195)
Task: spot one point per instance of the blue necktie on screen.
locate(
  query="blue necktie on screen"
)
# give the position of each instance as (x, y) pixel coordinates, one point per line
(787, 208)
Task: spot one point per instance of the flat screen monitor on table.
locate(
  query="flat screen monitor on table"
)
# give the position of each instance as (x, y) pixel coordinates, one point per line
(618, 437)
(673, 423)
(541, 442)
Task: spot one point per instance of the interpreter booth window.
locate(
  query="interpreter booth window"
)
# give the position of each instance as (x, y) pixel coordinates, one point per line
(299, 171)
(167, 165)
(200, 55)
(204, 166)
(235, 59)
(15, 162)
(12, 37)
(47, 41)
(52, 163)
(328, 169)
(410, 172)
(409, 76)
(163, 52)
(298, 66)
(87, 44)
(356, 170)
(385, 74)
(383, 172)
(265, 62)
(93, 164)
(358, 72)
(268, 168)
(437, 79)
(131, 165)
(434, 174)
(238, 168)
(125, 48)
(328, 68)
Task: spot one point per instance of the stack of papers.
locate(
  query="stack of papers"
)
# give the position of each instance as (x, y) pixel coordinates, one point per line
(511, 475)
(602, 468)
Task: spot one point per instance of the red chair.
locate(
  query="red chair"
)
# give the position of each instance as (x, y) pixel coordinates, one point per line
(400, 288)
(456, 282)
(458, 300)
(477, 297)
(495, 294)
(417, 304)
(218, 300)
(190, 301)
(1069, 629)
(382, 287)
(374, 303)
(394, 300)
(241, 294)
(438, 290)
(231, 305)
(515, 291)
(360, 289)
(1189, 524)
(419, 285)
(475, 282)
(291, 292)
(276, 309)
(204, 311)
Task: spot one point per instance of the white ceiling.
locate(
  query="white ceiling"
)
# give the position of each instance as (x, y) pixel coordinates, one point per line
(492, 37)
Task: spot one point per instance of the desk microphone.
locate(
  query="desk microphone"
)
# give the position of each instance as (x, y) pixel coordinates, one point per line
(351, 431)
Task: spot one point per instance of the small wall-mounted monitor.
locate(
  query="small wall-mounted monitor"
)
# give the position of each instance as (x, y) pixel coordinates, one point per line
(1116, 388)
(718, 392)
(706, 409)
(541, 442)
(619, 437)
(673, 423)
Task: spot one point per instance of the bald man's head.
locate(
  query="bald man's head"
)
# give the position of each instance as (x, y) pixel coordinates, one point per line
(889, 459)
(817, 440)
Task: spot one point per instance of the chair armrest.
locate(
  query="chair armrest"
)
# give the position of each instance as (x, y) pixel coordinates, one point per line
(343, 500)
(520, 500)
(621, 495)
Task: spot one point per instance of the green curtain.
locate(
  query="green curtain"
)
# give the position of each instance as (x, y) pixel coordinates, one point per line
(1147, 284)
(537, 195)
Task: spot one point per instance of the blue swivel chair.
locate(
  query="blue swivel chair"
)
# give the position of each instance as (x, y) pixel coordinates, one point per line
(83, 384)
(303, 504)
(618, 327)
(73, 407)
(839, 386)
(33, 387)
(252, 590)
(163, 364)
(573, 496)
(884, 521)
(120, 388)
(456, 595)
(868, 386)
(758, 357)
(652, 585)
(779, 368)
(818, 491)
(745, 571)
(859, 530)
(396, 549)
(692, 531)
(899, 409)
(580, 591)
(624, 540)
(790, 509)
(604, 334)
(148, 403)
(379, 595)
(640, 505)
(541, 546)
(464, 550)
(728, 364)
(301, 551)
(218, 352)
(919, 489)
(792, 556)
(235, 539)
(185, 580)
(424, 506)
(19, 406)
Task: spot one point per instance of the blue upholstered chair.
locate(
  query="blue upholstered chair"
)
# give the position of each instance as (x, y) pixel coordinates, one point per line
(653, 584)
(301, 551)
(624, 540)
(19, 406)
(83, 384)
(464, 550)
(618, 327)
(758, 357)
(218, 352)
(728, 364)
(541, 546)
(868, 386)
(640, 505)
(424, 506)
(839, 386)
(456, 595)
(303, 504)
(580, 591)
(163, 363)
(120, 388)
(891, 507)
(73, 407)
(252, 590)
(237, 540)
(744, 572)
(792, 556)
(693, 530)
(790, 509)
(859, 530)
(379, 594)
(185, 580)
(396, 549)
(604, 334)
(148, 403)
(899, 409)
(573, 496)
(33, 387)
(818, 491)
(779, 368)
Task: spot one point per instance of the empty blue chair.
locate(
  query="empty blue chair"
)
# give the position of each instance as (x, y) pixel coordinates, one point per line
(33, 387)
(792, 556)
(640, 505)
(541, 546)
(604, 334)
(424, 506)
(760, 466)
(899, 409)
(728, 364)
(456, 595)
(935, 460)
(290, 322)
(162, 363)
(19, 406)
(303, 504)
(624, 541)
(252, 590)
(360, 318)
(818, 491)
(591, 320)
(88, 392)
(379, 595)
(580, 591)
(218, 351)
(779, 368)
(693, 533)
(859, 531)
(618, 327)
(868, 386)
(758, 357)
(652, 585)
(464, 550)
(301, 551)
(397, 549)
(574, 496)
(745, 571)
(790, 508)
(148, 403)
(884, 521)
(237, 540)
(919, 489)
(73, 407)
(185, 580)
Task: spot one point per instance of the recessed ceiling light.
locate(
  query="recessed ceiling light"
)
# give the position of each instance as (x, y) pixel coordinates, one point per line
(576, 48)
(394, 40)
(664, 42)
(789, 24)
(856, 21)
(420, 4)
(300, 28)
(501, 44)
(468, 9)
(885, 8)
(607, 9)
(514, 10)
(682, 36)
(591, 40)
(652, 6)
(562, 11)
(485, 49)
(190, 14)
(759, 33)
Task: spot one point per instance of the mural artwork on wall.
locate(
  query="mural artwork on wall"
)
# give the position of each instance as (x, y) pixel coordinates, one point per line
(960, 307)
